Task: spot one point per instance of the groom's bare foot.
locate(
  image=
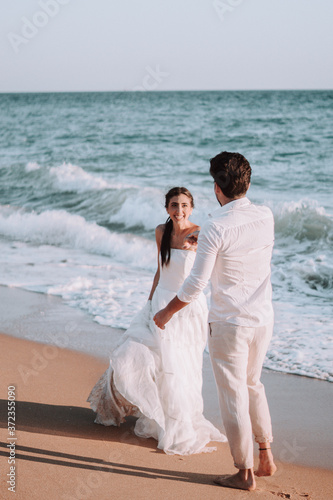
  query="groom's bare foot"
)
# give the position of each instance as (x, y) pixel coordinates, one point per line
(243, 480)
(266, 466)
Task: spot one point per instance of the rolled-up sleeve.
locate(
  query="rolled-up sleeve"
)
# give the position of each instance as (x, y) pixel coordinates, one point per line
(209, 243)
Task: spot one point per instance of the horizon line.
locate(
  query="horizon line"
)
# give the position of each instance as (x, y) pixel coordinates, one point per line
(162, 91)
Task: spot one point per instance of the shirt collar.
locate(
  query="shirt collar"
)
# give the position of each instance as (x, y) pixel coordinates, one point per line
(238, 203)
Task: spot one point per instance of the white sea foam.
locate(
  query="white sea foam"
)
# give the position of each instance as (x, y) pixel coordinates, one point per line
(68, 177)
(303, 252)
(301, 343)
(58, 227)
(145, 208)
(112, 301)
(32, 166)
(303, 220)
(317, 273)
(111, 292)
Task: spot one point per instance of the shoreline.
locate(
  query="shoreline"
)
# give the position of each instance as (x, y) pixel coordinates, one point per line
(47, 319)
(19, 307)
(300, 406)
(61, 454)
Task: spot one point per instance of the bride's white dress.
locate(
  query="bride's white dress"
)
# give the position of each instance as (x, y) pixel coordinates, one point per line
(156, 374)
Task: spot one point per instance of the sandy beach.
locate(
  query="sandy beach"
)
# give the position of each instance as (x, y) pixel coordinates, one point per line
(61, 454)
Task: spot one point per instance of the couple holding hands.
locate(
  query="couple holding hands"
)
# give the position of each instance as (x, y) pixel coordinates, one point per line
(155, 373)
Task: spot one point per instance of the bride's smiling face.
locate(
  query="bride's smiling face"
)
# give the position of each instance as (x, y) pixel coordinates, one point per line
(179, 208)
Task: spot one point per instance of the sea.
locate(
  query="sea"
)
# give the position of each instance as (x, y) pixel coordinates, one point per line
(82, 184)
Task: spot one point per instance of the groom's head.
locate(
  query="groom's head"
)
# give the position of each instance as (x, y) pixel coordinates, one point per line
(232, 173)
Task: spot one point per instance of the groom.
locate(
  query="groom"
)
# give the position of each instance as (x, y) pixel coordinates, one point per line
(234, 251)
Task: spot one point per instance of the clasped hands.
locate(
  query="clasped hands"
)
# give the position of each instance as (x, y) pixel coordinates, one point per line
(191, 240)
(164, 315)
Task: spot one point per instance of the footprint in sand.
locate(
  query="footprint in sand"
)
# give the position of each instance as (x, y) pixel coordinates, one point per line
(288, 495)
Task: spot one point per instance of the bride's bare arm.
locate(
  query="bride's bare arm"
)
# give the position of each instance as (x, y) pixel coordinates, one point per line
(155, 283)
(158, 235)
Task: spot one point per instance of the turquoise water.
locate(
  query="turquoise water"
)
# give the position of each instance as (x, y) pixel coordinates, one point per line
(83, 177)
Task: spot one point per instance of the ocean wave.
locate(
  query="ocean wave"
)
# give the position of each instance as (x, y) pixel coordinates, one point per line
(32, 166)
(302, 340)
(116, 203)
(59, 228)
(129, 205)
(317, 273)
(303, 220)
(73, 178)
(68, 177)
(142, 207)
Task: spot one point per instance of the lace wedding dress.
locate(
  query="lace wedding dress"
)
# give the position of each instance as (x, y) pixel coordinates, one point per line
(156, 375)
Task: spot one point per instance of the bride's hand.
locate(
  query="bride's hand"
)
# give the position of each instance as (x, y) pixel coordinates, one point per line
(161, 318)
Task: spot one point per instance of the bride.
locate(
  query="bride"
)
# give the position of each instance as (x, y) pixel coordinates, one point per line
(156, 375)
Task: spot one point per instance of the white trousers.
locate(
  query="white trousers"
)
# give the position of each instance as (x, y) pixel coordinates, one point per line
(237, 355)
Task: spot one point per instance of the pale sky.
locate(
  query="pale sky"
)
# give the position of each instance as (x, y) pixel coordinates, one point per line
(87, 45)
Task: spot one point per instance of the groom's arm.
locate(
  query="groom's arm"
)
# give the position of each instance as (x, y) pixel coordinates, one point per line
(208, 246)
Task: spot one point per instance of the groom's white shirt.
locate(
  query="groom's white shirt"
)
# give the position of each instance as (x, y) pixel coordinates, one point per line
(234, 251)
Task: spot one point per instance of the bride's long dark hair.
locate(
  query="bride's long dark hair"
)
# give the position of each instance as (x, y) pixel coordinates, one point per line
(166, 238)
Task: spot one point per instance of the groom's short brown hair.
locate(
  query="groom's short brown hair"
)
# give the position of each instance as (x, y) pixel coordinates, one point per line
(232, 173)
